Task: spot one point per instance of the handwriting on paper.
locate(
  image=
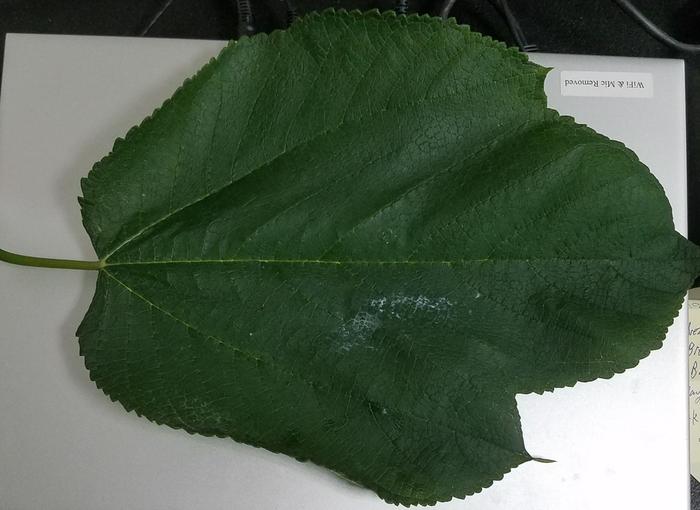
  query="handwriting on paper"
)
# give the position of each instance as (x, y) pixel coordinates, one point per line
(694, 384)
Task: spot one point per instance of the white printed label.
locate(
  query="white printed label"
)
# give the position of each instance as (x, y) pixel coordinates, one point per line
(604, 84)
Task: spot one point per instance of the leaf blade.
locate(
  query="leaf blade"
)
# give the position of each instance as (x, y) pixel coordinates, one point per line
(330, 225)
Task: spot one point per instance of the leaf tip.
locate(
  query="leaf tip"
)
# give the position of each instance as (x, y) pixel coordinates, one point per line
(543, 460)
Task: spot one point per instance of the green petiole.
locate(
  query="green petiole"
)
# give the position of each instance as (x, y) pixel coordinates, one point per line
(25, 260)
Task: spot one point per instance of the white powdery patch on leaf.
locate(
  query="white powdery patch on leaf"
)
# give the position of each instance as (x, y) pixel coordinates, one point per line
(364, 324)
(358, 329)
(400, 304)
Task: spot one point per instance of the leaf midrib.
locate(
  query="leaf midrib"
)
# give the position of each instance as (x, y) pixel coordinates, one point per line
(447, 263)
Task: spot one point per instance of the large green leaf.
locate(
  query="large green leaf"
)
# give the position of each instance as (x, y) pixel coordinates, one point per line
(356, 240)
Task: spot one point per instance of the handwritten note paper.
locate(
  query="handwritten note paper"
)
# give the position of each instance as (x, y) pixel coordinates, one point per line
(694, 380)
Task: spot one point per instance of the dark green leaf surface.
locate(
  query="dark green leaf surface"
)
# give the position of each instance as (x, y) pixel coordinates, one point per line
(355, 241)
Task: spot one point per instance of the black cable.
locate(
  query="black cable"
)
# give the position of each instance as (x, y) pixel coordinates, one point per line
(246, 25)
(163, 7)
(401, 6)
(446, 8)
(292, 12)
(654, 30)
(515, 28)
